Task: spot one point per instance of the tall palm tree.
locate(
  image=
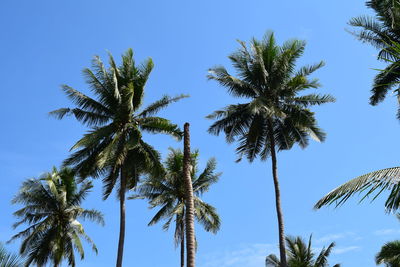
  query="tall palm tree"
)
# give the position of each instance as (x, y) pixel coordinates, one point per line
(8, 259)
(114, 148)
(389, 255)
(276, 116)
(52, 209)
(168, 193)
(301, 254)
(382, 31)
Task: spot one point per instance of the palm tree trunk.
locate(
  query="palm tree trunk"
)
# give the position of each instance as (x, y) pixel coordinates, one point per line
(182, 244)
(282, 249)
(122, 220)
(189, 214)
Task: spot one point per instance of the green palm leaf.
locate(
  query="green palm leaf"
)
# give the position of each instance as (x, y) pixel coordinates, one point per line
(370, 184)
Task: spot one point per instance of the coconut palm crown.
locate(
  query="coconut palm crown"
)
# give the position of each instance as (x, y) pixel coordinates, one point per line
(51, 208)
(276, 114)
(168, 193)
(116, 121)
(301, 254)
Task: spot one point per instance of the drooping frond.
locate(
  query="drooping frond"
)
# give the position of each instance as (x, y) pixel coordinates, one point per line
(206, 178)
(370, 185)
(207, 216)
(386, 80)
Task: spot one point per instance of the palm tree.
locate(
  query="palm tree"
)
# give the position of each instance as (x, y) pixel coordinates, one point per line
(276, 117)
(168, 193)
(114, 148)
(8, 259)
(52, 209)
(389, 255)
(382, 31)
(301, 254)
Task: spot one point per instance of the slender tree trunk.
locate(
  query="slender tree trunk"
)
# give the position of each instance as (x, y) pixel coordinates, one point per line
(182, 244)
(122, 221)
(189, 214)
(282, 249)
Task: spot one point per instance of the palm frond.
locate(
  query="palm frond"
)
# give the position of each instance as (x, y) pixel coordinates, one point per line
(370, 184)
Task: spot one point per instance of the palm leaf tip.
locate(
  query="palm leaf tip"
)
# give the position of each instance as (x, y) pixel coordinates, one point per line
(60, 113)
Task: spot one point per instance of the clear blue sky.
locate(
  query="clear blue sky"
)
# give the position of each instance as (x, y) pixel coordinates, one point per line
(48, 43)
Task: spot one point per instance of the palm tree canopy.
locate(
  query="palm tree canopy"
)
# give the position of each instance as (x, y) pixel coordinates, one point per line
(382, 31)
(370, 184)
(389, 255)
(268, 78)
(300, 254)
(8, 259)
(168, 193)
(117, 121)
(51, 208)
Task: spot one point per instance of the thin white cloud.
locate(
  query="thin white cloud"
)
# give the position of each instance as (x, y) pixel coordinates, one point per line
(342, 250)
(333, 237)
(387, 232)
(252, 255)
(329, 238)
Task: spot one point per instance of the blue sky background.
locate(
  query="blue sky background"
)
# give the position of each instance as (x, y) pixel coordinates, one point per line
(48, 43)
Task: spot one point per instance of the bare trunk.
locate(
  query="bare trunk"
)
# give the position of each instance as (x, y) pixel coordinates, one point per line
(182, 244)
(189, 214)
(282, 249)
(122, 221)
